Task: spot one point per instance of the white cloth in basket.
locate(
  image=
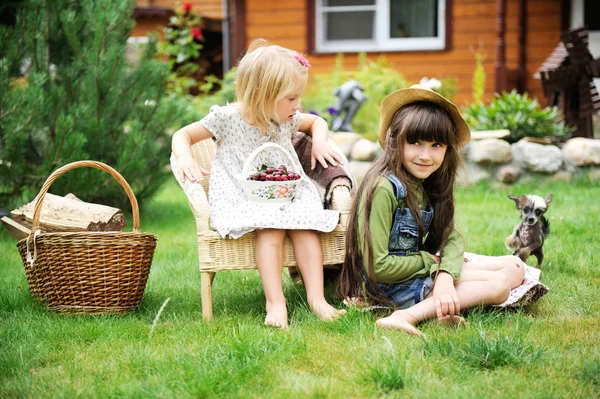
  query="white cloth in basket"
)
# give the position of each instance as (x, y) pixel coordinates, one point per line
(231, 214)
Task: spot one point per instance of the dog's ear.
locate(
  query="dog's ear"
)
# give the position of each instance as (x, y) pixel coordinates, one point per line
(548, 199)
(514, 198)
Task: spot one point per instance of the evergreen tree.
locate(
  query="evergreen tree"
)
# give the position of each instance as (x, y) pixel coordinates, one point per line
(67, 93)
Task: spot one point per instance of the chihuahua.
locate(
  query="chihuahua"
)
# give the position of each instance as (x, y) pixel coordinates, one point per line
(529, 235)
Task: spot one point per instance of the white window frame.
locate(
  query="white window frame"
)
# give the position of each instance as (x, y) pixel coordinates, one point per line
(381, 39)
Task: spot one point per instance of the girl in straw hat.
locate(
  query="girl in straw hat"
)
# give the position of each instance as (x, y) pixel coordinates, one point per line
(402, 247)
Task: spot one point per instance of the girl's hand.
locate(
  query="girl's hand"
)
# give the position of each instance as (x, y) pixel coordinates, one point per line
(445, 298)
(189, 169)
(323, 152)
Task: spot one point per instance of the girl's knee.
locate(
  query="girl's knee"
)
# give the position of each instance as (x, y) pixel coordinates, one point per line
(270, 238)
(501, 290)
(516, 270)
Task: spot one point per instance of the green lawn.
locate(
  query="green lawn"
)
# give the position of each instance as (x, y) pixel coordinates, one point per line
(550, 350)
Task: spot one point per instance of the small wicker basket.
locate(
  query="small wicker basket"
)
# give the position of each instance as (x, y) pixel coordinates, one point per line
(268, 192)
(87, 272)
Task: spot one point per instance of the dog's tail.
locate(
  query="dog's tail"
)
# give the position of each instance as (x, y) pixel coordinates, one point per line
(546, 227)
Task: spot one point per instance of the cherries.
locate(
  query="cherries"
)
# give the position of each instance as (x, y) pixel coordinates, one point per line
(271, 173)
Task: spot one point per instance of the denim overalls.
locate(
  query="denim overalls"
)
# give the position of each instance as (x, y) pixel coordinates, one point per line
(405, 230)
(404, 239)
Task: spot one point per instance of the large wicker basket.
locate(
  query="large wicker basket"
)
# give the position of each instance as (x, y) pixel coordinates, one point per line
(87, 272)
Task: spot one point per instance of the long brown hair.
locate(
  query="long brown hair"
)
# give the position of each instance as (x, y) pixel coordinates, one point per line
(418, 121)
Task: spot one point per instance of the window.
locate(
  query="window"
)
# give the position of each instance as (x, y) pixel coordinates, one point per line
(380, 25)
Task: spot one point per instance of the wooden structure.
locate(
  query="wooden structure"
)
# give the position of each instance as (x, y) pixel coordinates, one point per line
(567, 79)
(529, 30)
(220, 254)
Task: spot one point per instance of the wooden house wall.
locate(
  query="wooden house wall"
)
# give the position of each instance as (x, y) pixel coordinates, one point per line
(212, 9)
(206, 8)
(473, 26)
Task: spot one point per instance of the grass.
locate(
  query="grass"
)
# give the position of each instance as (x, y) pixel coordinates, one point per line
(165, 349)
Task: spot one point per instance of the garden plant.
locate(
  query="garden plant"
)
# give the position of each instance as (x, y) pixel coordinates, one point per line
(378, 77)
(68, 93)
(520, 114)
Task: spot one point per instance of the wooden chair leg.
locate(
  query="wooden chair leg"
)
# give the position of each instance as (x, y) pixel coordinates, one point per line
(206, 280)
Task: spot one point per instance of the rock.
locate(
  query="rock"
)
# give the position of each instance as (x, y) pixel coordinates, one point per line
(594, 175)
(488, 134)
(508, 174)
(490, 151)
(537, 157)
(359, 169)
(563, 176)
(345, 141)
(584, 152)
(364, 150)
(471, 173)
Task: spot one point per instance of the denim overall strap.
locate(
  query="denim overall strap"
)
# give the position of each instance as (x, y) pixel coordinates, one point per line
(399, 189)
(404, 235)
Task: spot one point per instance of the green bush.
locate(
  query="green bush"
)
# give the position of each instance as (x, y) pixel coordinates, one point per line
(182, 48)
(379, 78)
(223, 96)
(522, 115)
(79, 99)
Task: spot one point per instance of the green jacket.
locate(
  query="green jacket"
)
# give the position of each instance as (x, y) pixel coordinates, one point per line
(391, 268)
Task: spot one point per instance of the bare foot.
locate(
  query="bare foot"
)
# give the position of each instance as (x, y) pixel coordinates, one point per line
(276, 316)
(399, 320)
(325, 311)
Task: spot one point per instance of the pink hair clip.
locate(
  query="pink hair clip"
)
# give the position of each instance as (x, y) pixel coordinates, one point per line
(302, 60)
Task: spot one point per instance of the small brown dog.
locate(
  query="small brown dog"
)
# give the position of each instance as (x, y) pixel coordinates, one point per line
(529, 235)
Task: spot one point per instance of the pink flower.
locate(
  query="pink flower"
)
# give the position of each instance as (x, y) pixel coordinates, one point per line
(302, 60)
(196, 33)
(187, 6)
(282, 191)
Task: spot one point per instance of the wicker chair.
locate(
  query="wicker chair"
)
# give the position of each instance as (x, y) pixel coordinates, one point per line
(218, 254)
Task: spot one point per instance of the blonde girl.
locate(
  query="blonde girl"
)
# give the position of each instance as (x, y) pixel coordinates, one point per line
(402, 247)
(270, 81)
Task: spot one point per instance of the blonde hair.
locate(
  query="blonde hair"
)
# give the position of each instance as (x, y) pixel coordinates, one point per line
(266, 74)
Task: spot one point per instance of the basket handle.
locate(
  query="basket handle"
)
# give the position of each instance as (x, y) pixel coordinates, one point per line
(37, 210)
(262, 148)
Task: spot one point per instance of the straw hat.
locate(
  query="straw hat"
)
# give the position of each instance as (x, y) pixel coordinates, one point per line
(399, 98)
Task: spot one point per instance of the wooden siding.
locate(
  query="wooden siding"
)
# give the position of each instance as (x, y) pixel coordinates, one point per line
(206, 8)
(473, 24)
(212, 9)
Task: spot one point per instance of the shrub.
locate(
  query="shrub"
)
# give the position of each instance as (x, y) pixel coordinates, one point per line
(225, 94)
(478, 76)
(182, 46)
(81, 99)
(518, 113)
(379, 78)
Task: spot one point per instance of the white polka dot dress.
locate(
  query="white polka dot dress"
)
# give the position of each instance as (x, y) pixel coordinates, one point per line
(231, 214)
